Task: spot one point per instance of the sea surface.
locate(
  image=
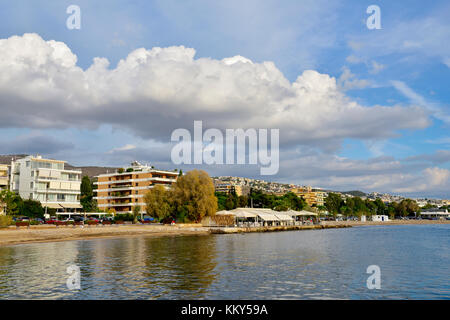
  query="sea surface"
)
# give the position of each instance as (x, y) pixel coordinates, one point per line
(414, 263)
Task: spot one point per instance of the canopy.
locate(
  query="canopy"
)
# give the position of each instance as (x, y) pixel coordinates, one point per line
(224, 212)
(52, 205)
(71, 206)
(283, 217)
(242, 213)
(268, 217)
(301, 213)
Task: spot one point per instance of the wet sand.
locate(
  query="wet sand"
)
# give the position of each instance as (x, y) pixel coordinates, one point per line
(50, 233)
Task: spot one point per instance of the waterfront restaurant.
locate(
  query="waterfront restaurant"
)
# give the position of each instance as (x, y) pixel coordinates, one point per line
(435, 214)
(300, 217)
(256, 217)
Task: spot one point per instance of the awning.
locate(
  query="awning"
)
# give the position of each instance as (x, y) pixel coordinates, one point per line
(224, 212)
(283, 217)
(301, 213)
(52, 205)
(267, 216)
(71, 206)
(242, 213)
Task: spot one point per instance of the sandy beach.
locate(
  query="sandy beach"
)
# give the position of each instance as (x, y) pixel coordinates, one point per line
(50, 233)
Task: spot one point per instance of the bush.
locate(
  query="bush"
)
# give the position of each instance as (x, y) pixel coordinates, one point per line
(124, 217)
(121, 170)
(5, 221)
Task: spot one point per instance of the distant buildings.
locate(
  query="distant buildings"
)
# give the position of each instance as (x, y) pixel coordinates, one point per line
(247, 183)
(228, 188)
(312, 198)
(123, 191)
(47, 181)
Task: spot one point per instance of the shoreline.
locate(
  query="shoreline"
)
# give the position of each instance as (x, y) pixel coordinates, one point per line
(50, 233)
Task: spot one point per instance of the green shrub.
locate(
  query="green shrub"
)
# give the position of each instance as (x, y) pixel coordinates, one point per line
(5, 221)
(124, 217)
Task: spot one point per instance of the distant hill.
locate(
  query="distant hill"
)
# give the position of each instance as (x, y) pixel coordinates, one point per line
(6, 159)
(356, 193)
(90, 171)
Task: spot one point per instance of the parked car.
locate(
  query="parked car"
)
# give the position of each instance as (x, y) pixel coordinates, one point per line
(39, 220)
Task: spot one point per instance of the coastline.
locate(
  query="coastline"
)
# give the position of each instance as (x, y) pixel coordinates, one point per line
(385, 223)
(50, 233)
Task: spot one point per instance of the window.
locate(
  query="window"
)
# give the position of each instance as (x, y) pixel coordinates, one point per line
(31, 185)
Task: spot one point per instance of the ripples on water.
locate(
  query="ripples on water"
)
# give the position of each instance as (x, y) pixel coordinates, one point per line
(320, 264)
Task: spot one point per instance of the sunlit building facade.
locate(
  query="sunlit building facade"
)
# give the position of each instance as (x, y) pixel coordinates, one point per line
(47, 181)
(124, 190)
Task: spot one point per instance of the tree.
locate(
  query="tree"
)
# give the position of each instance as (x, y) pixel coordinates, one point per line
(87, 195)
(193, 195)
(242, 201)
(333, 203)
(136, 212)
(359, 206)
(407, 207)
(391, 210)
(158, 202)
(221, 200)
(230, 203)
(10, 201)
(32, 209)
(292, 201)
(381, 207)
(371, 207)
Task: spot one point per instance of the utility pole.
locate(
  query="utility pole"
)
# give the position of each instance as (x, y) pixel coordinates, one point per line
(46, 198)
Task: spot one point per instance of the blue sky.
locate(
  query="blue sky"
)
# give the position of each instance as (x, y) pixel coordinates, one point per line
(405, 64)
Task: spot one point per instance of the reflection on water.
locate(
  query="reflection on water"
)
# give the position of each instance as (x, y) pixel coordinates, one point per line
(320, 264)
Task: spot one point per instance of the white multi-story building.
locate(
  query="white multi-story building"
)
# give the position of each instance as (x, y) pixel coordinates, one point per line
(4, 176)
(47, 181)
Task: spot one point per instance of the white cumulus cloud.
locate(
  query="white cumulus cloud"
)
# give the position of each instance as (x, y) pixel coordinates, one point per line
(151, 92)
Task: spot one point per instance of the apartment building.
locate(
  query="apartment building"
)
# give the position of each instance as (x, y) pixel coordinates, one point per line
(312, 198)
(4, 176)
(228, 188)
(47, 181)
(124, 190)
